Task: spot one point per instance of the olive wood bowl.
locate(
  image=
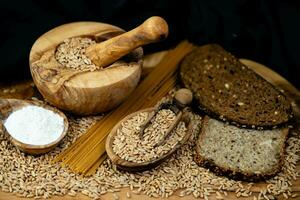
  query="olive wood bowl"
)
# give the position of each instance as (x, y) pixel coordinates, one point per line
(76, 91)
(116, 51)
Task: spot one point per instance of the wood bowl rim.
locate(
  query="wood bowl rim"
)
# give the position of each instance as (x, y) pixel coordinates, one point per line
(131, 166)
(137, 54)
(67, 25)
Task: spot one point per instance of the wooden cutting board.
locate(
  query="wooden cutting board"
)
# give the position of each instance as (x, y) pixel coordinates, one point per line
(25, 90)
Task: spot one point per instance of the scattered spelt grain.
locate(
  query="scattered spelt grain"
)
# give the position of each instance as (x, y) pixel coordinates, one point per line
(31, 176)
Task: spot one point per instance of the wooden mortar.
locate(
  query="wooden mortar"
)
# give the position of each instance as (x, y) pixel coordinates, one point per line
(101, 90)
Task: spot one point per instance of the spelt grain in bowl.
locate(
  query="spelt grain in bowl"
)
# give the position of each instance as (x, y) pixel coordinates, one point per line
(129, 146)
(71, 54)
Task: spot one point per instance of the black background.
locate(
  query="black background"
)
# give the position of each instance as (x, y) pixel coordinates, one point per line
(266, 31)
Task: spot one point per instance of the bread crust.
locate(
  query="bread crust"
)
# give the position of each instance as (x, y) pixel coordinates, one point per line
(236, 175)
(188, 79)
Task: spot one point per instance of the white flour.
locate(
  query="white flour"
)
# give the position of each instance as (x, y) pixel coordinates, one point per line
(34, 125)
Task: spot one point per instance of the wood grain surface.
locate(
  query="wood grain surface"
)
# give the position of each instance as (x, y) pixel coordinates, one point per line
(16, 90)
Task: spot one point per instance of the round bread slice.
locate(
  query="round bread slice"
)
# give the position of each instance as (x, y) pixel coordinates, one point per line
(243, 154)
(224, 88)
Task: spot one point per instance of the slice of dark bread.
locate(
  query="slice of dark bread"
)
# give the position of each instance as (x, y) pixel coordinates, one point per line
(225, 88)
(243, 154)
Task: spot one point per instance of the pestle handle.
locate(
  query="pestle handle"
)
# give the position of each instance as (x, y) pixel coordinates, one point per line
(104, 53)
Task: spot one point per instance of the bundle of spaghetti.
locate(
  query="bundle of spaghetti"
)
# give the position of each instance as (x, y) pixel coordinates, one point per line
(86, 154)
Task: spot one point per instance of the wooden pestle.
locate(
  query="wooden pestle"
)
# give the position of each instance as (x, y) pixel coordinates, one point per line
(104, 53)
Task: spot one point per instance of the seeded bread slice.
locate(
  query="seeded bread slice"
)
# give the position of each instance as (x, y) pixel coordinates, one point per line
(239, 153)
(224, 88)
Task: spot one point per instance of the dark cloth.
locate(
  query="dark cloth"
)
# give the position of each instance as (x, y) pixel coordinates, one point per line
(262, 30)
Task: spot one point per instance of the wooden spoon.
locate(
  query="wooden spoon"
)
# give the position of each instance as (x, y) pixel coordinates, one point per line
(8, 106)
(183, 98)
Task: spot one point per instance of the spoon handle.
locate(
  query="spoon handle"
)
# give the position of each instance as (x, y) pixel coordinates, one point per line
(170, 129)
(107, 52)
(146, 123)
(182, 98)
(153, 114)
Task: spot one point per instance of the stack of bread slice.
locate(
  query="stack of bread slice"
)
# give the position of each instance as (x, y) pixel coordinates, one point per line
(244, 132)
